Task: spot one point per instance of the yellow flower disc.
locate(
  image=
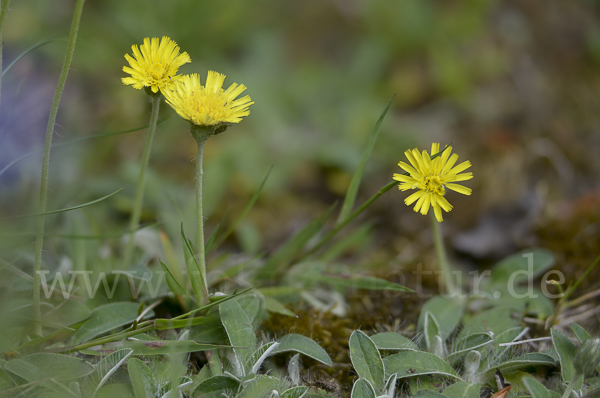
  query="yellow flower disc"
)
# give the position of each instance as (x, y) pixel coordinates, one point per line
(154, 64)
(208, 105)
(432, 177)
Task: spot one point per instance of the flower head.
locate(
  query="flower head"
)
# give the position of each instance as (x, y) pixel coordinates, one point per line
(208, 105)
(432, 177)
(154, 64)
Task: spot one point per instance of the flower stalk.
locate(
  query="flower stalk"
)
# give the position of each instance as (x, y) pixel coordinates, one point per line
(201, 135)
(141, 184)
(442, 259)
(46, 164)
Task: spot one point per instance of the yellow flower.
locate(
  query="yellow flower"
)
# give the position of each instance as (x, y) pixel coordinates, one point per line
(154, 64)
(432, 177)
(208, 105)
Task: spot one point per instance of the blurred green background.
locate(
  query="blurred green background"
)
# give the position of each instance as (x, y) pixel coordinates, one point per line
(513, 83)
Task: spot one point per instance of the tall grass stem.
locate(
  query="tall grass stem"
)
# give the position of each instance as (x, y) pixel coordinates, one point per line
(141, 184)
(46, 163)
(3, 12)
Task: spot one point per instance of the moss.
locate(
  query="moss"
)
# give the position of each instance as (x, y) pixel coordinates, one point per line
(367, 310)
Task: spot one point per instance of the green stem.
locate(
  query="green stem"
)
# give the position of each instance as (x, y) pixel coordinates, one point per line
(440, 252)
(351, 217)
(203, 299)
(214, 363)
(46, 163)
(141, 184)
(201, 135)
(571, 384)
(3, 13)
(104, 340)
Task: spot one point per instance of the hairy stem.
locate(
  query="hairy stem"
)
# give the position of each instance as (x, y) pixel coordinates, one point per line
(141, 184)
(440, 252)
(203, 299)
(46, 163)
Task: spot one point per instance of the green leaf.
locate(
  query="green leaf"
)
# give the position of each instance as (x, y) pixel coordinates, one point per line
(508, 336)
(581, 333)
(393, 341)
(253, 307)
(566, 352)
(428, 394)
(431, 329)
(355, 183)
(24, 370)
(526, 298)
(471, 342)
(106, 318)
(415, 363)
(535, 388)
(239, 327)
(193, 268)
(273, 305)
(59, 367)
(210, 331)
(303, 345)
(446, 312)
(495, 320)
(295, 392)
(517, 269)
(282, 258)
(174, 286)
(114, 390)
(532, 360)
(260, 387)
(142, 379)
(362, 389)
(217, 384)
(463, 389)
(366, 359)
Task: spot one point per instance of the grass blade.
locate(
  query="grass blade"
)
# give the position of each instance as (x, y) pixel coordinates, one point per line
(70, 208)
(73, 141)
(355, 183)
(193, 268)
(233, 226)
(30, 49)
(286, 254)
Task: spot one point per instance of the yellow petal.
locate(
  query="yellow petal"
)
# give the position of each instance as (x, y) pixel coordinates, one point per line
(438, 212)
(413, 197)
(459, 189)
(443, 203)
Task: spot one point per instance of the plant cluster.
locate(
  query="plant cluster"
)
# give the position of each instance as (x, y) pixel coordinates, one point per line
(143, 338)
